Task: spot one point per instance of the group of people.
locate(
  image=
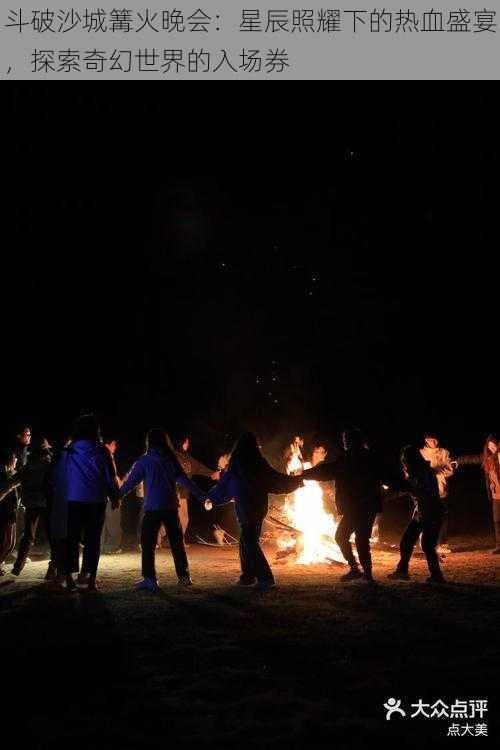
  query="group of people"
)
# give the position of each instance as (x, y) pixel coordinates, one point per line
(74, 491)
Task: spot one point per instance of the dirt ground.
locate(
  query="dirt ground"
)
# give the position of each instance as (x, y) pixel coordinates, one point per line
(308, 664)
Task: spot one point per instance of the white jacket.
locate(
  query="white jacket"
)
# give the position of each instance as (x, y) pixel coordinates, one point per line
(439, 459)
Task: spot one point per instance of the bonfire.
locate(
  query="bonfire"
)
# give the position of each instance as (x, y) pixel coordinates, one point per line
(305, 530)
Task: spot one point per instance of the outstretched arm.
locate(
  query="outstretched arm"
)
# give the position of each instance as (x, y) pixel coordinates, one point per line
(281, 484)
(133, 478)
(469, 459)
(224, 490)
(182, 479)
(324, 472)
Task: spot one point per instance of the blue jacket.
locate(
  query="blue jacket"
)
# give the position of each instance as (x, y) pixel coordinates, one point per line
(160, 474)
(250, 494)
(85, 473)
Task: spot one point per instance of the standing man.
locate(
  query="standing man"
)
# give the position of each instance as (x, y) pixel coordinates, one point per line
(358, 485)
(36, 498)
(8, 505)
(443, 467)
(21, 450)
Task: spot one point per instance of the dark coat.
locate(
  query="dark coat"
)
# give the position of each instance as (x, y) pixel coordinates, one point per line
(250, 493)
(358, 477)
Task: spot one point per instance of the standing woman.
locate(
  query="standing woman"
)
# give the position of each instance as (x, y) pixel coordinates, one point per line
(248, 480)
(159, 469)
(427, 516)
(85, 478)
(491, 468)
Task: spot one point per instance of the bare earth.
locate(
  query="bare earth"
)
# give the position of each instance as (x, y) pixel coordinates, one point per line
(308, 664)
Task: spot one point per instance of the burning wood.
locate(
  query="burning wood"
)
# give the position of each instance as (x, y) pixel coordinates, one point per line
(308, 534)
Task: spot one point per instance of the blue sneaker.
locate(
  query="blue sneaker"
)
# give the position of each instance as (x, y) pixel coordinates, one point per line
(147, 584)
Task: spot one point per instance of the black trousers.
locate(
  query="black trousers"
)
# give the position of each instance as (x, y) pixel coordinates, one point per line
(151, 523)
(496, 520)
(7, 536)
(430, 530)
(360, 522)
(85, 524)
(252, 559)
(31, 520)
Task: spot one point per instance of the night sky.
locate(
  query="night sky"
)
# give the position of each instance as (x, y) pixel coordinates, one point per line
(319, 256)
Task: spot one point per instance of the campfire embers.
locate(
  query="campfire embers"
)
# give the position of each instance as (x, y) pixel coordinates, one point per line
(305, 531)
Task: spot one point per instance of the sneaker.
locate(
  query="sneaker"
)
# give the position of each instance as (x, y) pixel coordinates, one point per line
(399, 575)
(353, 574)
(185, 581)
(16, 570)
(369, 578)
(92, 585)
(62, 584)
(51, 572)
(83, 579)
(265, 585)
(242, 581)
(147, 584)
(57, 585)
(436, 579)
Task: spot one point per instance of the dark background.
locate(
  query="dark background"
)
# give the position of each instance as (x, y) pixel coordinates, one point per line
(314, 258)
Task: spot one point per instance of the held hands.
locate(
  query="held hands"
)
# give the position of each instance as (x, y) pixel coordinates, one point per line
(208, 504)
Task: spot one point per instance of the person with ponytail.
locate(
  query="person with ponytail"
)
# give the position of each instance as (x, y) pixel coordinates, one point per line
(159, 469)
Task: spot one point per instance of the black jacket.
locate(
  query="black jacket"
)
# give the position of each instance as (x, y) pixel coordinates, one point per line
(358, 480)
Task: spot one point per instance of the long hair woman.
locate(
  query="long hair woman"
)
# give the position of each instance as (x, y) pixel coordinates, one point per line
(85, 479)
(160, 471)
(248, 481)
(491, 468)
(427, 515)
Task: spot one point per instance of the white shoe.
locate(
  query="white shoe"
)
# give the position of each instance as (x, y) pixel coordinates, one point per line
(147, 584)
